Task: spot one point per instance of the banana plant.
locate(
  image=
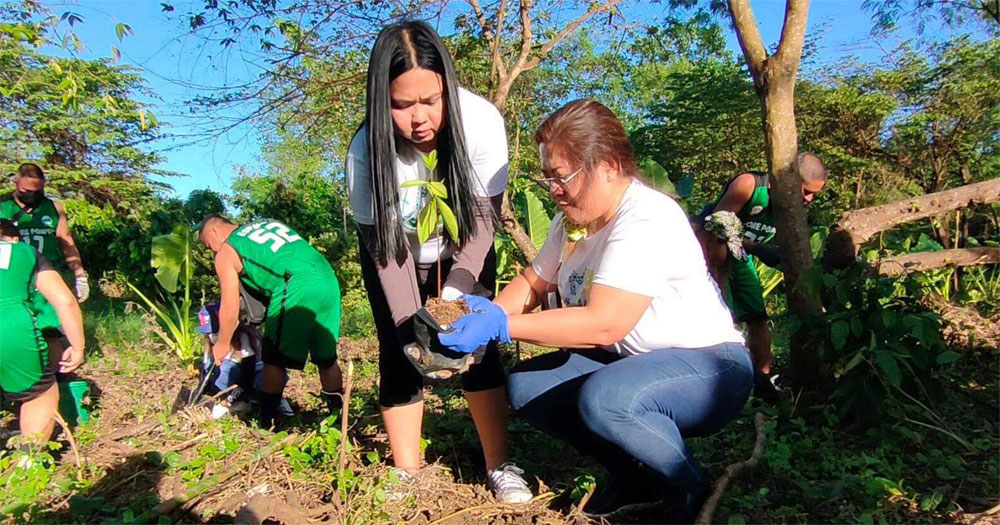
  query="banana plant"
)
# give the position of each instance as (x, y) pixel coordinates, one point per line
(172, 257)
(436, 212)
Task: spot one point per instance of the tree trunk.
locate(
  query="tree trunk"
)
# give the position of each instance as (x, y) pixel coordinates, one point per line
(774, 81)
(781, 141)
(856, 227)
(513, 228)
(923, 261)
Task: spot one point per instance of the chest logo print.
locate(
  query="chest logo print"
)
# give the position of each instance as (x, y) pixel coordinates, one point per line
(47, 221)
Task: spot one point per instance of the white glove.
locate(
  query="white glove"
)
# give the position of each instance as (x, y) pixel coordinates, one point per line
(450, 294)
(82, 287)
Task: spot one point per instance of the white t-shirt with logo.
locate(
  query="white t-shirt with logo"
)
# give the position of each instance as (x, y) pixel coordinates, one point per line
(649, 249)
(486, 142)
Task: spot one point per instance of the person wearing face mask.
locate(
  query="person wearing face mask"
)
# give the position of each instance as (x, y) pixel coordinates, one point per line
(650, 355)
(749, 196)
(414, 106)
(42, 223)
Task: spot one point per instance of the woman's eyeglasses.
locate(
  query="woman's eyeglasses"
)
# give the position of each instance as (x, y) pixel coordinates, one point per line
(561, 181)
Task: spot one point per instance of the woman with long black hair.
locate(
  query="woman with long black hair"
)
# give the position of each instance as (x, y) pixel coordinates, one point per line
(415, 106)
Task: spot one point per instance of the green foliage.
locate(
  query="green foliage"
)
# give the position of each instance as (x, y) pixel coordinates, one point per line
(23, 475)
(80, 120)
(172, 257)
(436, 211)
(877, 339)
(537, 220)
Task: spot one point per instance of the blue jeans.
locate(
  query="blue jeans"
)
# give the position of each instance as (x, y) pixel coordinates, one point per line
(636, 409)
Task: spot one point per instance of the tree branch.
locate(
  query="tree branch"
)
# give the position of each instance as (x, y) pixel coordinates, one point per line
(856, 227)
(923, 261)
(793, 34)
(749, 37)
(547, 46)
(732, 471)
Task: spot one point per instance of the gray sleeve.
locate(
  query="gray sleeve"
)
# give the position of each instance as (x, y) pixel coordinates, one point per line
(468, 262)
(398, 279)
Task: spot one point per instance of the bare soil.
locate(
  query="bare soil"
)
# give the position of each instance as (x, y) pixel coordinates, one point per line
(446, 312)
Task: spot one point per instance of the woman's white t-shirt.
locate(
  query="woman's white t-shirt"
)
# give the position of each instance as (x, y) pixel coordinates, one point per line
(486, 142)
(648, 249)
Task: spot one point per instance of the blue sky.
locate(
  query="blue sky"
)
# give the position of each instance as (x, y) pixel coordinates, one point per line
(174, 67)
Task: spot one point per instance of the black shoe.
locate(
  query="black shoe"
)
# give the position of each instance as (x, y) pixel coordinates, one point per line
(765, 387)
(683, 506)
(614, 497)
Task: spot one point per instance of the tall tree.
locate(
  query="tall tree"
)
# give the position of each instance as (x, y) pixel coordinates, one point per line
(80, 119)
(774, 81)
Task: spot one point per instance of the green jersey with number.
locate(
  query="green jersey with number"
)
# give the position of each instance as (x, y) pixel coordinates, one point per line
(756, 214)
(37, 227)
(18, 265)
(274, 254)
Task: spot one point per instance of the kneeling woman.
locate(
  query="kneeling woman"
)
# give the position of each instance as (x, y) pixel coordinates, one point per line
(652, 355)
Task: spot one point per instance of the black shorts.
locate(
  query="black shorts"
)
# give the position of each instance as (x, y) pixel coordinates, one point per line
(399, 382)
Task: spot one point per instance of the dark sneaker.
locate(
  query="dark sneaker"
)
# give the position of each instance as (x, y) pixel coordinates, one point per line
(614, 497)
(765, 387)
(683, 506)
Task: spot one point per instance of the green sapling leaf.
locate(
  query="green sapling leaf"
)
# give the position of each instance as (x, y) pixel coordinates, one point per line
(450, 224)
(427, 221)
(437, 189)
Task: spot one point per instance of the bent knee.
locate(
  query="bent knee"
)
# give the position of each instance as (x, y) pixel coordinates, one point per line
(601, 412)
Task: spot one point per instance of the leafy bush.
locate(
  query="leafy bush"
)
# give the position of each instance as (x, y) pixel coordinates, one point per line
(877, 339)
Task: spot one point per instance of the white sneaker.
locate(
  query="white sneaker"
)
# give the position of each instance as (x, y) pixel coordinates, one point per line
(219, 411)
(507, 484)
(404, 486)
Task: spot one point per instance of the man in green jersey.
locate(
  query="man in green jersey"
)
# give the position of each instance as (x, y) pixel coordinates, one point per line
(42, 224)
(26, 374)
(302, 296)
(749, 197)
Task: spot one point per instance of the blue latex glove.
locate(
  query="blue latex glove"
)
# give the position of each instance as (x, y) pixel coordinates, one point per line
(487, 322)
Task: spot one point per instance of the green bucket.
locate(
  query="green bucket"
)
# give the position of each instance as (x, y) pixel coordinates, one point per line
(73, 402)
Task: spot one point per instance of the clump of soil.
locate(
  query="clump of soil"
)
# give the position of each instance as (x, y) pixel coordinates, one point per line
(446, 312)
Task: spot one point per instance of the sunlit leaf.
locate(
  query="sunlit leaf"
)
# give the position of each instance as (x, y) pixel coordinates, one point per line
(427, 221)
(448, 217)
(122, 30)
(437, 189)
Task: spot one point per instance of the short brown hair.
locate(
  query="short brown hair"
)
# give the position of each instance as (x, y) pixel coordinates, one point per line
(586, 132)
(31, 171)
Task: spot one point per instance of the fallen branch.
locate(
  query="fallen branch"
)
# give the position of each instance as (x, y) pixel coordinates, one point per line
(541, 497)
(923, 261)
(732, 472)
(856, 227)
(142, 428)
(208, 483)
(72, 444)
(984, 514)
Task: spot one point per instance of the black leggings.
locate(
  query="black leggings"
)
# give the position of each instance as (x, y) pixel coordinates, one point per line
(399, 382)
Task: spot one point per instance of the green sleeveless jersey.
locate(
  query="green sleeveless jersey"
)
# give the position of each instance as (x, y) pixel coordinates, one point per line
(19, 263)
(757, 215)
(274, 254)
(37, 227)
